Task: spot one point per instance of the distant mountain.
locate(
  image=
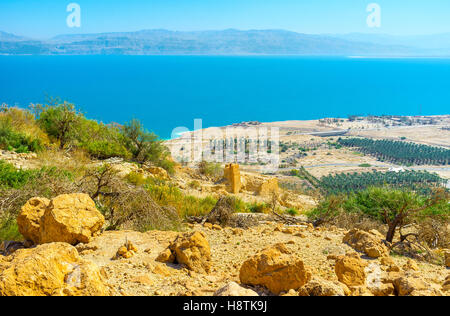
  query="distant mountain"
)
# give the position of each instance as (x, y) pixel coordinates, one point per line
(437, 43)
(226, 42)
(8, 37)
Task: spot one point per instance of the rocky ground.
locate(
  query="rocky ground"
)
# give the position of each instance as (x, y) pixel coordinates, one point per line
(67, 253)
(267, 259)
(230, 248)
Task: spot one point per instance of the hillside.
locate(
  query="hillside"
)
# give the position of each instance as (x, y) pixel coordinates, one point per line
(226, 42)
(89, 209)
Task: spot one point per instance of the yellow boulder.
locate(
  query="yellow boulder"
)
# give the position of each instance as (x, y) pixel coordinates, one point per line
(50, 269)
(276, 268)
(350, 270)
(29, 219)
(70, 218)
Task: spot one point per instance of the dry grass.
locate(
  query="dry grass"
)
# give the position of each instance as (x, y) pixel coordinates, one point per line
(23, 121)
(77, 161)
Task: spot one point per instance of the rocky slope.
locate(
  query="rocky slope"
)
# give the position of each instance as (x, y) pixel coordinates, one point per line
(66, 252)
(267, 259)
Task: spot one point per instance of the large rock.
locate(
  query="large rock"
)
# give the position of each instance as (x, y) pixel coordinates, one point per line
(233, 176)
(409, 285)
(50, 269)
(29, 219)
(350, 270)
(320, 287)
(371, 243)
(276, 268)
(70, 218)
(234, 289)
(191, 250)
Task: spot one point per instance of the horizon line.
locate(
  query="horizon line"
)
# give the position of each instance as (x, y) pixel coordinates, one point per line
(225, 29)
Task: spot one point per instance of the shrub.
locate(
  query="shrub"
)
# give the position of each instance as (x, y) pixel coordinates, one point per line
(211, 169)
(9, 230)
(103, 149)
(258, 207)
(10, 177)
(166, 164)
(100, 140)
(294, 173)
(194, 185)
(23, 122)
(144, 146)
(136, 178)
(134, 208)
(291, 211)
(60, 121)
(18, 142)
(396, 208)
(15, 191)
(240, 206)
(194, 206)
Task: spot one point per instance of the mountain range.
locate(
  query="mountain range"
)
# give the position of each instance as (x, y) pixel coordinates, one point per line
(227, 42)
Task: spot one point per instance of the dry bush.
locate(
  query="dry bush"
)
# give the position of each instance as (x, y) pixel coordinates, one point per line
(435, 233)
(411, 246)
(23, 121)
(222, 211)
(349, 221)
(244, 221)
(76, 161)
(212, 170)
(126, 206)
(49, 184)
(133, 208)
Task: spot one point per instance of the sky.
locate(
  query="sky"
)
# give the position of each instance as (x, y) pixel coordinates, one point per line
(43, 19)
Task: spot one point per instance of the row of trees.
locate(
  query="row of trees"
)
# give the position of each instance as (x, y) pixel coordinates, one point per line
(420, 181)
(399, 152)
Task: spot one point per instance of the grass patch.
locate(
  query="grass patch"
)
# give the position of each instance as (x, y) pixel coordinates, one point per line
(9, 230)
(292, 211)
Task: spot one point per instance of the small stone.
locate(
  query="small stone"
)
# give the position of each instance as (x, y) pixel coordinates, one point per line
(143, 280)
(234, 289)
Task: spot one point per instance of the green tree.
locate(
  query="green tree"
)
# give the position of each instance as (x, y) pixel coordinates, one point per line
(60, 121)
(143, 145)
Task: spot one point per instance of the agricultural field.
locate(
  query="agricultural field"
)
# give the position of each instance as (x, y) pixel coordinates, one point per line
(399, 152)
(420, 181)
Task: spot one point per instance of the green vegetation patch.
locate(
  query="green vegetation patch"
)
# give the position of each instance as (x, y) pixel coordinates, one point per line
(399, 152)
(349, 182)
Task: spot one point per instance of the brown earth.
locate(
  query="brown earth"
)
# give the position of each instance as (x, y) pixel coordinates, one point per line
(230, 248)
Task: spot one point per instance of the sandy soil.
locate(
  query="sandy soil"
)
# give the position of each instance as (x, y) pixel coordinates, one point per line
(142, 275)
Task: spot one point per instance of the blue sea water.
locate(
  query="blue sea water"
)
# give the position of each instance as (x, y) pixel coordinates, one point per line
(170, 91)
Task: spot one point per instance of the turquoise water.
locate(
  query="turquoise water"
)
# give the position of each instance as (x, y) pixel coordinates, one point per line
(170, 91)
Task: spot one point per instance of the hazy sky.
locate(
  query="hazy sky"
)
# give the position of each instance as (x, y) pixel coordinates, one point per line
(46, 18)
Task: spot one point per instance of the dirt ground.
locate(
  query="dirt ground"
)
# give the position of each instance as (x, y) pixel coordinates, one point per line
(142, 275)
